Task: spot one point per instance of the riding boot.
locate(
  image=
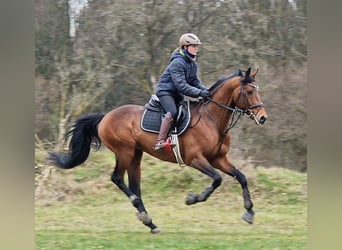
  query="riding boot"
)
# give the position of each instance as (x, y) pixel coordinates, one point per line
(164, 130)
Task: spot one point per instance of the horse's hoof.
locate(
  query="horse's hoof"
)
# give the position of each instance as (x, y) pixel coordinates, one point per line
(248, 217)
(155, 231)
(144, 218)
(191, 199)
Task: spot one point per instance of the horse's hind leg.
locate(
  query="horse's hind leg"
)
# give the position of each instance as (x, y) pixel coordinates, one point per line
(132, 165)
(134, 177)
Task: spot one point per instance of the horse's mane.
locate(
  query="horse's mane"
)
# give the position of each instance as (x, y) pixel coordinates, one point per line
(238, 72)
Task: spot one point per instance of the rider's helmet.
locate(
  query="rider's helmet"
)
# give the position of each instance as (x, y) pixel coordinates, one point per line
(188, 39)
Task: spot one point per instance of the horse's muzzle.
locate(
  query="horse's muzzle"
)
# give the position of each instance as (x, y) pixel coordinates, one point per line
(258, 118)
(262, 119)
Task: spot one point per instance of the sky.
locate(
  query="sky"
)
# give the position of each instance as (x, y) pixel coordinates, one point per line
(75, 9)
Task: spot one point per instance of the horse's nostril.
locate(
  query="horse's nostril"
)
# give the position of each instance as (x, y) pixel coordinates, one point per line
(262, 119)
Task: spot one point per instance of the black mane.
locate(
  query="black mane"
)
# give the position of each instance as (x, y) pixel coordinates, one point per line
(220, 81)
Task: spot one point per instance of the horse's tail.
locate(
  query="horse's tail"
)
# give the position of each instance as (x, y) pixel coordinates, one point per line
(83, 133)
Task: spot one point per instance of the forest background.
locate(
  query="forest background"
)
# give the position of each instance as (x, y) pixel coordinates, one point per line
(110, 53)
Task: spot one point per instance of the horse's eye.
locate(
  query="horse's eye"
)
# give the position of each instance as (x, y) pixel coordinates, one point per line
(249, 92)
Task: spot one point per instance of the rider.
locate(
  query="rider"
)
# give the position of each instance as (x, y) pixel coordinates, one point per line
(178, 79)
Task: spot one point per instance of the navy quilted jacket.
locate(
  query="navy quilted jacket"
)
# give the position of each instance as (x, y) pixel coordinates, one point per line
(180, 78)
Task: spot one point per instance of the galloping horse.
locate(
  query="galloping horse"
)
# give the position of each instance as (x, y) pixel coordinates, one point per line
(203, 146)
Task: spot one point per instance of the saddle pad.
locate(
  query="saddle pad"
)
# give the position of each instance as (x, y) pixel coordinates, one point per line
(151, 120)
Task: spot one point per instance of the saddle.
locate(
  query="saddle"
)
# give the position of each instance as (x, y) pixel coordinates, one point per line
(152, 117)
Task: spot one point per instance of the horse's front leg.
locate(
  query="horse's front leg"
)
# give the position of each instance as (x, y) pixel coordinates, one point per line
(247, 201)
(225, 166)
(204, 166)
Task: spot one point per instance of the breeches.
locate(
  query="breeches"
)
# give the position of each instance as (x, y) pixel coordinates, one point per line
(169, 105)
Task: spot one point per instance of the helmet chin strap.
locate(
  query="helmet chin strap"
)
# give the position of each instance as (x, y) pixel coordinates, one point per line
(192, 56)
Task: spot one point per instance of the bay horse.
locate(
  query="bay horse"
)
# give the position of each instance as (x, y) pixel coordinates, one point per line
(203, 146)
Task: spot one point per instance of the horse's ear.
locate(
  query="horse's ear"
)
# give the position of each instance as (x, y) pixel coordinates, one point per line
(248, 72)
(255, 73)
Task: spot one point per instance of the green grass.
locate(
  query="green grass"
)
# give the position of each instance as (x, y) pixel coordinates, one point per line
(206, 226)
(176, 241)
(91, 213)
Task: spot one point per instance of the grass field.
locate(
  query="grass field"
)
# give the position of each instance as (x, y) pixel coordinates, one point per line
(82, 209)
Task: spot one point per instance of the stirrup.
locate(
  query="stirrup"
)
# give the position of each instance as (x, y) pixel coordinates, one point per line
(163, 144)
(159, 145)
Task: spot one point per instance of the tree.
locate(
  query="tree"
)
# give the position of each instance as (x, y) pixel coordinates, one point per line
(122, 47)
(52, 47)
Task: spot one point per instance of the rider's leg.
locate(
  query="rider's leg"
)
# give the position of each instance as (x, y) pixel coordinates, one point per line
(169, 106)
(164, 130)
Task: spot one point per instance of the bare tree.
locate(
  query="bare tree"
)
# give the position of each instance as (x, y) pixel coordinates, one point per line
(121, 48)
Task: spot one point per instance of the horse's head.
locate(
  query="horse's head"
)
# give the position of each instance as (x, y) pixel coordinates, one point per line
(246, 97)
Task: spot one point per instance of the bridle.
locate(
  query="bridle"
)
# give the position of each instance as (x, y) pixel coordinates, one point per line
(234, 110)
(237, 111)
(249, 110)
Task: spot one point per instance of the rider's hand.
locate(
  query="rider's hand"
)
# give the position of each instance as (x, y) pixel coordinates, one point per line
(204, 93)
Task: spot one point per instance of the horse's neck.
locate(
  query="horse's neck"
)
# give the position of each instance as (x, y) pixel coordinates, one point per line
(224, 96)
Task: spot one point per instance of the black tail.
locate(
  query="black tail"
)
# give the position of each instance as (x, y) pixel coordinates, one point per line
(83, 132)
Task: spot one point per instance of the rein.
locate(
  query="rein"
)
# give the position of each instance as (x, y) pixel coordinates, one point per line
(235, 110)
(233, 122)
